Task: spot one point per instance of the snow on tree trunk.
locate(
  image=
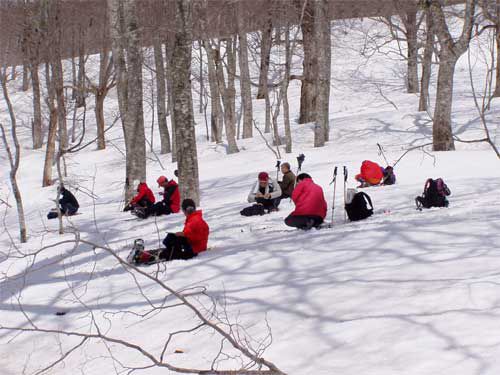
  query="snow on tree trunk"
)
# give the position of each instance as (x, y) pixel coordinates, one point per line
(183, 102)
(161, 106)
(323, 52)
(245, 86)
(310, 68)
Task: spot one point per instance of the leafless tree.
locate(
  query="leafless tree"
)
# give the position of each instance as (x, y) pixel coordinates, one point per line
(161, 96)
(491, 11)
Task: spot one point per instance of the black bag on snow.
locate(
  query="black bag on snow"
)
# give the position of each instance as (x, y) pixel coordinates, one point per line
(435, 193)
(358, 208)
(255, 210)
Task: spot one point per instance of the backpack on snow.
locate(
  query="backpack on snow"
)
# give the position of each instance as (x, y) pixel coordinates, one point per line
(435, 193)
(255, 210)
(358, 208)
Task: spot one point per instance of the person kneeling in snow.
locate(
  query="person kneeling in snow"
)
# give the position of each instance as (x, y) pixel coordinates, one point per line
(371, 174)
(186, 244)
(143, 199)
(170, 204)
(68, 204)
(310, 204)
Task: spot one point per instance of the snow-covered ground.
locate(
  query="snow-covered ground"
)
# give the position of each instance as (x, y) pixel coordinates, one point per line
(403, 292)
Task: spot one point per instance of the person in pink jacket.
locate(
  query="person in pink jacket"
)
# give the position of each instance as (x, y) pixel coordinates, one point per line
(310, 205)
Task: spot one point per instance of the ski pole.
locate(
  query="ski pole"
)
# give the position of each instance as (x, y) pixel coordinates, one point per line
(345, 191)
(381, 152)
(334, 182)
(278, 165)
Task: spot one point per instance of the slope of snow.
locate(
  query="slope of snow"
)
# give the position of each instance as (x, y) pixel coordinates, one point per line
(404, 292)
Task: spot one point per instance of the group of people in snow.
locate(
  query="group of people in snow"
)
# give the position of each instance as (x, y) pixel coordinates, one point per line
(265, 194)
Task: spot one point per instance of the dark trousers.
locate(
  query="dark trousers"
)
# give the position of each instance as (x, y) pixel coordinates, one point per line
(176, 248)
(303, 222)
(157, 209)
(68, 209)
(269, 203)
(143, 203)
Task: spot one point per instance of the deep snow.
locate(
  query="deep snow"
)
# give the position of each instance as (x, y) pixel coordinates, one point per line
(404, 292)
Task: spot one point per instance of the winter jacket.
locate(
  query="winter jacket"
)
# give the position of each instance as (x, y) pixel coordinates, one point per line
(271, 188)
(67, 197)
(143, 192)
(309, 199)
(172, 197)
(196, 231)
(371, 172)
(288, 184)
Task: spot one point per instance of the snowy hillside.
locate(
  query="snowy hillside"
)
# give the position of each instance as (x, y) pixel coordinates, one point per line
(403, 292)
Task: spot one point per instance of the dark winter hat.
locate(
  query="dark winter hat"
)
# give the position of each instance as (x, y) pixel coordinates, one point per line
(263, 176)
(161, 180)
(303, 176)
(188, 205)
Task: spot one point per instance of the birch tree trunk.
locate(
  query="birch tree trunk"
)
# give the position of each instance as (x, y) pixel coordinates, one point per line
(161, 96)
(168, 60)
(125, 38)
(410, 22)
(265, 56)
(15, 159)
(284, 88)
(216, 122)
(183, 102)
(245, 86)
(51, 137)
(426, 63)
(37, 108)
(310, 68)
(323, 51)
(449, 53)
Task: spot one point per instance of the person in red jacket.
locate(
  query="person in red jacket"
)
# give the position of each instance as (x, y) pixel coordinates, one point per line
(310, 204)
(143, 199)
(170, 204)
(371, 174)
(192, 240)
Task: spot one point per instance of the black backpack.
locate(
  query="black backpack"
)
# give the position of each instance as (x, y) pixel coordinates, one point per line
(255, 210)
(435, 193)
(358, 208)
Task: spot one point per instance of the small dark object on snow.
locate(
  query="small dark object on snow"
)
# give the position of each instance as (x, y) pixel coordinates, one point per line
(61, 313)
(178, 351)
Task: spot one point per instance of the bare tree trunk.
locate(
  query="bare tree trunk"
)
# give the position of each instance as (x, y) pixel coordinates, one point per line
(161, 96)
(57, 74)
(245, 86)
(496, 93)
(170, 89)
(323, 52)
(15, 159)
(284, 89)
(229, 93)
(51, 137)
(80, 92)
(105, 67)
(125, 37)
(216, 109)
(189, 184)
(310, 67)
(37, 108)
(267, 127)
(265, 56)
(449, 53)
(441, 129)
(411, 39)
(426, 64)
(26, 80)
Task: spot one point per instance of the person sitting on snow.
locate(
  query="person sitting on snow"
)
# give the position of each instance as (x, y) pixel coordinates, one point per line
(143, 199)
(310, 204)
(389, 176)
(287, 184)
(371, 174)
(68, 204)
(186, 244)
(265, 192)
(170, 204)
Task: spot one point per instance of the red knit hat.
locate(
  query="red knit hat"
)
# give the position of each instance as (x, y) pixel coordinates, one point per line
(263, 176)
(161, 180)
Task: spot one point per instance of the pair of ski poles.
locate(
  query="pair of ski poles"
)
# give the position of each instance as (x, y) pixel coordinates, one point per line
(334, 182)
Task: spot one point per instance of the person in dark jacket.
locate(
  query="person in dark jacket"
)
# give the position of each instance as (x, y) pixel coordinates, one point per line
(287, 184)
(310, 204)
(170, 204)
(143, 199)
(68, 204)
(186, 244)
